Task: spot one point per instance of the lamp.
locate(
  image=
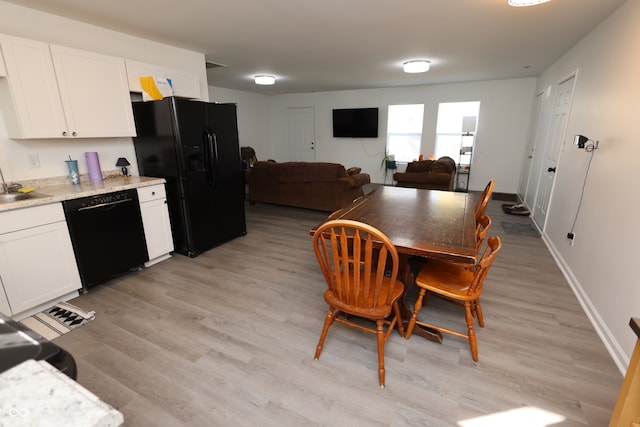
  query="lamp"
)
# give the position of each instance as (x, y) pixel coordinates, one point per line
(123, 162)
(581, 142)
(523, 3)
(265, 80)
(416, 66)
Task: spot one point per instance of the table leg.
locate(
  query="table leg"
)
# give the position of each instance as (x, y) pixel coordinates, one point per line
(406, 276)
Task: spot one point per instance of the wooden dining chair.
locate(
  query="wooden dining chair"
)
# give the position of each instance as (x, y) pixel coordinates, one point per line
(483, 200)
(360, 266)
(482, 229)
(459, 285)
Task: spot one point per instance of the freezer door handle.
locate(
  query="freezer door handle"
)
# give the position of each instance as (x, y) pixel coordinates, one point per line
(212, 147)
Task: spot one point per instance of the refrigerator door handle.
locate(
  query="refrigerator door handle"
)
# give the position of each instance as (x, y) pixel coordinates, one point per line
(210, 161)
(215, 145)
(212, 148)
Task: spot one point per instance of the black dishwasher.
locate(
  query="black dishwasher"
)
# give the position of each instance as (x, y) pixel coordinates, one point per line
(107, 235)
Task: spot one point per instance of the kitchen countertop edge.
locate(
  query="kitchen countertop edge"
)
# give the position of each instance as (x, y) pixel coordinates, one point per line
(60, 193)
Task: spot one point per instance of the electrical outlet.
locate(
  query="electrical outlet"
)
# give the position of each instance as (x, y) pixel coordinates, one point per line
(33, 160)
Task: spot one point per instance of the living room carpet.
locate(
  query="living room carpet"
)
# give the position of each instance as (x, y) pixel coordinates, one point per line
(523, 229)
(58, 320)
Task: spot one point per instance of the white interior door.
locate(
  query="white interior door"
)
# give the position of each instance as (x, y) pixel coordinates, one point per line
(559, 118)
(528, 181)
(302, 134)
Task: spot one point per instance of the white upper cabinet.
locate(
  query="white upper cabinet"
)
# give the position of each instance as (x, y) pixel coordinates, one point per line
(57, 92)
(137, 69)
(185, 84)
(29, 96)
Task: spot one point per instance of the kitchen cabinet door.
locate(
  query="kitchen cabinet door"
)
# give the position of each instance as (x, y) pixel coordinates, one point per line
(37, 265)
(156, 222)
(29, 95)
(184, 83)
(57, 92)
(137, 69)
(94, 92)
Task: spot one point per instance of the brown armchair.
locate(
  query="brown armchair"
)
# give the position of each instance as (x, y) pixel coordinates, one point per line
(429, 174)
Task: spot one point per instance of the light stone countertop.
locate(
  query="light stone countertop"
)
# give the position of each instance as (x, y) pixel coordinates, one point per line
(45, 194)
(34, 393)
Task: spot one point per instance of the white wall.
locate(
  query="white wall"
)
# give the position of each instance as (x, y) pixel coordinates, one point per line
(505, 109)
(28, 23)
(601, 265)
(253, 119)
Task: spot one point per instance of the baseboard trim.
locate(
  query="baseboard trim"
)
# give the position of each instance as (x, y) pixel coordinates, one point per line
(616, 352)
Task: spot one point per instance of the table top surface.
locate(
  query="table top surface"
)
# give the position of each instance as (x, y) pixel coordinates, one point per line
(429, 223)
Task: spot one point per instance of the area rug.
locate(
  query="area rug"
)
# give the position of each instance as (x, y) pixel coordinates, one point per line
(506, 197)
(523, 229)
(58, 320)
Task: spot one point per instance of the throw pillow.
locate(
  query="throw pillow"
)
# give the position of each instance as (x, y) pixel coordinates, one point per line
(353, 171)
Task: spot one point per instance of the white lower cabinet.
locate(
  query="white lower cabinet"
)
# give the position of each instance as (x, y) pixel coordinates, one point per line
(155, 219)
(37, 264)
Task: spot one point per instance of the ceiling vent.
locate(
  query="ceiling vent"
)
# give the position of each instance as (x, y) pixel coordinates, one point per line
(211, 64)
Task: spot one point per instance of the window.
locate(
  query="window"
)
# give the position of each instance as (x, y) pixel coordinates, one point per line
(449, 137)
(404, 131)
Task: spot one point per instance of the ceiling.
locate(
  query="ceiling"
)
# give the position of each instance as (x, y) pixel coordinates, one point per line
(350, 44)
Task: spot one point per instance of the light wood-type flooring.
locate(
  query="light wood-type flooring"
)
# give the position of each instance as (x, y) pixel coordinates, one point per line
(228, 339)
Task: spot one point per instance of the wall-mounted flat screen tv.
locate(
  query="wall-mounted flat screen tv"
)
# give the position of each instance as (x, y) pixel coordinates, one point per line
(355, 123)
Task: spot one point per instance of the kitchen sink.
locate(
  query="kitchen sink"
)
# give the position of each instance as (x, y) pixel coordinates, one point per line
(16, 197)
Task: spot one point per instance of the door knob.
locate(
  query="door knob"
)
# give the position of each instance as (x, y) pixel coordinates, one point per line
(551, 170)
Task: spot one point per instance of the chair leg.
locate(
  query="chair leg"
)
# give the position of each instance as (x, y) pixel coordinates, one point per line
(380, 335)
(396, 309)
(414, 316)
(471, 332)
(478, 310)
(328, 321)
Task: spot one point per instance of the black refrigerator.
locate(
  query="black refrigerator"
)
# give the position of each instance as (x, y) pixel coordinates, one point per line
(194, 146)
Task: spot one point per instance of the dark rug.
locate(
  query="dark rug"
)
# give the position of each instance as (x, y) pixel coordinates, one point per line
(505, 197)
(523, 229)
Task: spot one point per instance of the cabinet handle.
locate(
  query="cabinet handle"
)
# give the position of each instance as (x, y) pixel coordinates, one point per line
(74, 134)
(153, 193)
(64, 133)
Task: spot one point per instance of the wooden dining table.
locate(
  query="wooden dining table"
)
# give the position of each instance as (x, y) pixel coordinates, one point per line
(423, 223)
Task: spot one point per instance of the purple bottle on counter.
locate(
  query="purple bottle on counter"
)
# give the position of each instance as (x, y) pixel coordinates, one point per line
(93, 164)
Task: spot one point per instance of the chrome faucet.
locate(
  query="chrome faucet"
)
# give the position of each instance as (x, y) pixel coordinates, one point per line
(5, 189)
(9, 188)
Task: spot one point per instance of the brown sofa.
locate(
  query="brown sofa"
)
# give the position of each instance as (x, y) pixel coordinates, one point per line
(312, 185)
(430, 174)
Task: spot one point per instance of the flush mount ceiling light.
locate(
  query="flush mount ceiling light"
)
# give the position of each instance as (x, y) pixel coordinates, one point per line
(265, 80)
(522, 3)
(416, 66)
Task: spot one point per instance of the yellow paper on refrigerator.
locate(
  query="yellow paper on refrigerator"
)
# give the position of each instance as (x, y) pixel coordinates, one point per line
(154, 88)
